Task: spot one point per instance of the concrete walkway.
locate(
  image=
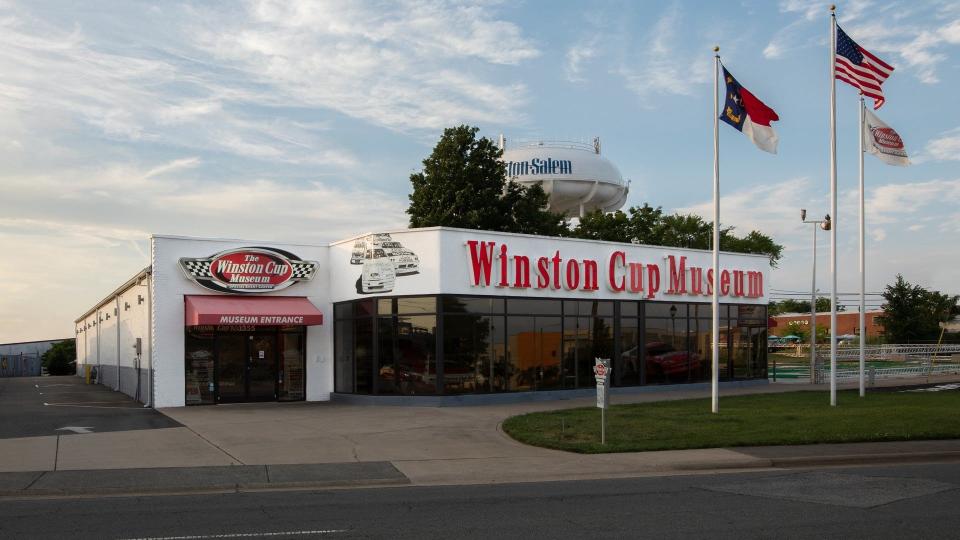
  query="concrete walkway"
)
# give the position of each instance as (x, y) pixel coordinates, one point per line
(427, 445)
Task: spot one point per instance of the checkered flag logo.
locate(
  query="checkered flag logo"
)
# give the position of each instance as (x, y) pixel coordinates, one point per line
(198, 268)
(303, 270)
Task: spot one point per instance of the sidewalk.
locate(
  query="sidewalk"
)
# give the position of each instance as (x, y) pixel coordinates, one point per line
(237, 447)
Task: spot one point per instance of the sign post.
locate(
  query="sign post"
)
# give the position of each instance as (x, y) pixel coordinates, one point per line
(601, 371)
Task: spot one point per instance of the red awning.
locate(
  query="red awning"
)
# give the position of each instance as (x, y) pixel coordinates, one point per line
(246, 311)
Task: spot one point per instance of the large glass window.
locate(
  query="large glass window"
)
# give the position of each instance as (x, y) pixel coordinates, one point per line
(470, 346)
(533, 352)
(667, 356)
(199, 365)
(363, 354)
(497, 344)
(292, 380)
(345, 351)
(627, 367)
(700, 343)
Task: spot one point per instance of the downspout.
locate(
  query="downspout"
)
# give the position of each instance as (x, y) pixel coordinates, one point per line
(117, 310)
(150, 373)
(98, 319)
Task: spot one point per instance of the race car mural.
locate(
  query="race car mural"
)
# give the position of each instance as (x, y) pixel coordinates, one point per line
(383, 260)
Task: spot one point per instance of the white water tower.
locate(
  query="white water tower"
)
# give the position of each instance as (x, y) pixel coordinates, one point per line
(573, 173)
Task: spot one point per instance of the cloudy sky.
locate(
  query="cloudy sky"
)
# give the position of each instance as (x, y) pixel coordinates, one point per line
(302, 121)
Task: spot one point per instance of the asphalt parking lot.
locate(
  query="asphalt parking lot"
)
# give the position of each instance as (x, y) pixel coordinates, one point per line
(37, 406)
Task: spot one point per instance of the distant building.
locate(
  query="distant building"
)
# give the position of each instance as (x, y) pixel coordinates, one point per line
(29, 348)
(848, 322)
(952, 326)
(23, 359)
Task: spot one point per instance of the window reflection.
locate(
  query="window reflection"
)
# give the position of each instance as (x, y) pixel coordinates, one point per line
(199, 366)
(533, 347)
(534, 352)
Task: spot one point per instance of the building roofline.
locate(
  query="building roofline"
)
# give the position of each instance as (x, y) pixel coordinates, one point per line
(807, 313)
(34, 341)
(126, 285)
(455, 229)
(563, 238)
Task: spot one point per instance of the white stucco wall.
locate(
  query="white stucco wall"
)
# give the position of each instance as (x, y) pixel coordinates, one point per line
(108, 343)
(134, 323)
(169, 285)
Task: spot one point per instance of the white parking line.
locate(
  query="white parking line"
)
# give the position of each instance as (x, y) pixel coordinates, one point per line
(241, 535)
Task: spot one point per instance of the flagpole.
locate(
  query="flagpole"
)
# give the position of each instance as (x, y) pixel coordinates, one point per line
(833, 206)
(715, 298)
(863, 258)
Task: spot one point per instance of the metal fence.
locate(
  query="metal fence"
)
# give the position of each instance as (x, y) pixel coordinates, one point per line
(883, 361)
(20, 365)
(891, 361)
(871, 352)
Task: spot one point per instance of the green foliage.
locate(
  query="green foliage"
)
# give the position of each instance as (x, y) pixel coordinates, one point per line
(912, 313)
(772, 419)
(59, 360)
(801, 306)
(796, 328)
(648, 225)
(464, 184)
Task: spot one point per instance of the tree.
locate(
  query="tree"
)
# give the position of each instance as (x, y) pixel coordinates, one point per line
(912, 313)
(464, 184)
(648, 225)
(59, 359)
(801, 306)
(797, 329)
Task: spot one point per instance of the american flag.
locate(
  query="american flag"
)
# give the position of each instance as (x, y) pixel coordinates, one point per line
(859, 68)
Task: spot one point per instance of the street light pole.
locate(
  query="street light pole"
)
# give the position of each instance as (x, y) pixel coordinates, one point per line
(825, 225)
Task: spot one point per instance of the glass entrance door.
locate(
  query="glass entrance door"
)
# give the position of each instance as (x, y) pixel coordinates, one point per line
(232, 367)
(247, 367)
(262, 368)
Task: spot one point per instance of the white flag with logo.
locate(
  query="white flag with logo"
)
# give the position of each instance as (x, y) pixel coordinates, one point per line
(882, 141)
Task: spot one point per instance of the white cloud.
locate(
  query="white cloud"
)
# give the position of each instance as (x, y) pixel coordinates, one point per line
(664, 67)
(577, 54)
(946, 147)
(93, 235)
(402, 66)
(901, 36)
(891, 202)
(896, 216)
(218, 79)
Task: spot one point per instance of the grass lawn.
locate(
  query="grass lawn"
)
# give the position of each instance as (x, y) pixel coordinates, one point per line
(769, 419)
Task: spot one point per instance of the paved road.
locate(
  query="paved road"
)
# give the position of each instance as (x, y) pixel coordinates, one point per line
(37, 406)
(916, 501)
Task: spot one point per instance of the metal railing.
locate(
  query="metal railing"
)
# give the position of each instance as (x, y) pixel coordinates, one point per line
(871, 352)
(895, 360)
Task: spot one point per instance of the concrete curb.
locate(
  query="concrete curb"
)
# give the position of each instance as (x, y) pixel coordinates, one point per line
(864, 459)
(378, 474)
(220, 479)
(797, 462)
(214, 488)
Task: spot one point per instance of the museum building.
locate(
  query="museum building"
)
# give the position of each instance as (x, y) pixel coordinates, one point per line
(405, 315)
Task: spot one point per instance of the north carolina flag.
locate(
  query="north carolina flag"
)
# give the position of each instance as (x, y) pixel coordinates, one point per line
(749, 115)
